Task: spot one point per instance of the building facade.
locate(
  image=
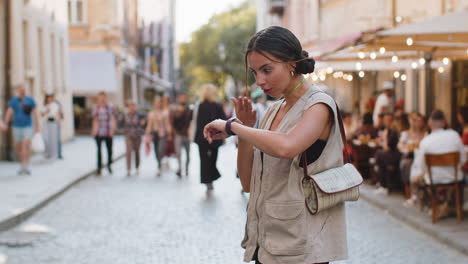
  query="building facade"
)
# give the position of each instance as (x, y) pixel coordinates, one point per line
(34, 46)
(103, 50)
(321, 24)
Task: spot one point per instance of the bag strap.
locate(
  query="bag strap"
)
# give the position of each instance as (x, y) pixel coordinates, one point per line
(346, 157)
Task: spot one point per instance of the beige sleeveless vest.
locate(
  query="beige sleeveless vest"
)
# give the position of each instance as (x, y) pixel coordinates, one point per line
(278, 222)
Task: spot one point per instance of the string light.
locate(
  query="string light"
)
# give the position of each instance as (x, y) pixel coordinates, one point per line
(361, 74)
(373, 55)
(409, 41)
(403, 77)
(422, 61)
(358, 66)
(396, 74)
(361, 55)
(382, 50)
(398, 19)
(322, 77)
(349, 77)
(394, 59)
(414, 65)
(441, 69)
(445, 61)
(340, 74)
(314, 77)
(329, 70)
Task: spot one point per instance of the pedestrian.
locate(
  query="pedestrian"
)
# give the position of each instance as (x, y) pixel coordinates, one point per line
(279, 228)
(22, 109)
(133, 130)
(384, 103)
(103, 128)
(170, 148)
(181, 117)
(51, 118)
(159, 128)
(59, 132)
(208, 110)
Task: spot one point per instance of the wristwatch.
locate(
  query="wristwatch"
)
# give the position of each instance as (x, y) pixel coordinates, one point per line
(228, 125)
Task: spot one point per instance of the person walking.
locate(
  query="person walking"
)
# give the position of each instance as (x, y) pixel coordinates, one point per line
(159, 128)
(133, 130)
(181, 116)
(279, 227)
(22, 109)
(103, 128)
(208, 110)
(51, 118)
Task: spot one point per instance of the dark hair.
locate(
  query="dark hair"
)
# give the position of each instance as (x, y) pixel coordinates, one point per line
(282, 44)
(367, 119)
(463, 111)
(437, 115)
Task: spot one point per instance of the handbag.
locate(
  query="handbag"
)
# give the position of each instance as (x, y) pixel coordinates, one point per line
(331, 187)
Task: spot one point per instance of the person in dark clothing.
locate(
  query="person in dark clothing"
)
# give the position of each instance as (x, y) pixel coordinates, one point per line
(367, 127)
(208, 110)
(181, 116)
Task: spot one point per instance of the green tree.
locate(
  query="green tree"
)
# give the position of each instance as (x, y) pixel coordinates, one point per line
(216, 50)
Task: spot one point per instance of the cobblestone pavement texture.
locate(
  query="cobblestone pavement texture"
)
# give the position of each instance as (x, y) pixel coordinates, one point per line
(149, 219)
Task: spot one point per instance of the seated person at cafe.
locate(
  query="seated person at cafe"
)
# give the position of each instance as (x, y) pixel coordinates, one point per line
(439, 141)
(388, 158)
(367, 128)
(409, 141)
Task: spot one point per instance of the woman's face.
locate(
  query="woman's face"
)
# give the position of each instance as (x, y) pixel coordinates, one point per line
(272, 77)
(157, 103)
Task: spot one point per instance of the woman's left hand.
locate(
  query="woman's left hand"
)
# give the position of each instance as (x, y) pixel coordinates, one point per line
(215, 130)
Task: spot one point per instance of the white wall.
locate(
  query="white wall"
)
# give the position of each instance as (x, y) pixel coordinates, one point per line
(39, 48)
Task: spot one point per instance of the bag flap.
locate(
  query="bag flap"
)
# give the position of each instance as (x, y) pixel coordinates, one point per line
(338, 179)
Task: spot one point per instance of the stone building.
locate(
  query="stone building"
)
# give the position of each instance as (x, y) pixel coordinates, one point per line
(331, 26)
(33, 51)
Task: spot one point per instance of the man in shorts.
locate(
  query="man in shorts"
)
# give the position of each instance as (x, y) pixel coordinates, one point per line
(22, 110)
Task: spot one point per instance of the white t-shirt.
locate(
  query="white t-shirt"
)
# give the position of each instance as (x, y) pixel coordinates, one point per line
(383, 101)
(438, 142)
(53, 110)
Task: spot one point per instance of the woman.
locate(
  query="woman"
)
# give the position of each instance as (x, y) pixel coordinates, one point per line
(133, 130)
(409, 141)
(159, 128)
(279, 228)
(208, 110)
(51, 115)
(166, 109)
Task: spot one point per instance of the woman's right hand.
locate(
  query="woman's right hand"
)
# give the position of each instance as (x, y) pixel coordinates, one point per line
(244, 110)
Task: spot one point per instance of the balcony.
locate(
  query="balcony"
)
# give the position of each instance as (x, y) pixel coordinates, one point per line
(277, 7)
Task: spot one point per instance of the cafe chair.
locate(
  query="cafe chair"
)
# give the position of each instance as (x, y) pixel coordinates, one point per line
(448, 159)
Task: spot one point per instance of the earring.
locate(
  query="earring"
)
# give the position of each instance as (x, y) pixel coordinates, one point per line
(292, 73)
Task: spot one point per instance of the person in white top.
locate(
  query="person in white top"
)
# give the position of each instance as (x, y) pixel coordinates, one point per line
(51, 115)
(384, 101)
(440, 141)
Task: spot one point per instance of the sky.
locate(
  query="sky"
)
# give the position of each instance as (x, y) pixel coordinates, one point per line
(191, 14)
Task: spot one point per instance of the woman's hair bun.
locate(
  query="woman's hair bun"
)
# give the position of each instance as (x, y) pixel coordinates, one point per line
(306, 65)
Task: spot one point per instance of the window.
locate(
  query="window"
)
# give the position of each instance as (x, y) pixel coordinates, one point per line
(76, 12)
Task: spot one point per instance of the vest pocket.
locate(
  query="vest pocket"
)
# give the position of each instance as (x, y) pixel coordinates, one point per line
(285, 228)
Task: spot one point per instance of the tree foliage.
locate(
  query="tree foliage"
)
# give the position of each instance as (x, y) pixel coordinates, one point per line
(216, 50)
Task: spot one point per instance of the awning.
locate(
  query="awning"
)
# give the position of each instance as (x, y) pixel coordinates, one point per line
(92, 72)
(344, 42)
(158, 82)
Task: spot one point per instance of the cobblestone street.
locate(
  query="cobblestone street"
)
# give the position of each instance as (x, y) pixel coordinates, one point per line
(149, 219)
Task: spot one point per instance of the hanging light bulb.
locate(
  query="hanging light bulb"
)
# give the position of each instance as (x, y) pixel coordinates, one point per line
(382, 50)
(361, 74)
(329, 70)
(422, 61)
(373, 55)
(340, 74)
(361, 55)
(398, 19)
(396, 74)
(358, 66)
(414, 65)
(409, 41)
(314, 77)
(349, 77)
(441, 69)
(445, 61)
(394, 58)
(322, 77)
(403, 77)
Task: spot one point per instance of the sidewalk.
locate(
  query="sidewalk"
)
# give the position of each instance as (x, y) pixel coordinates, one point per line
(21, 195)
(447, 230)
